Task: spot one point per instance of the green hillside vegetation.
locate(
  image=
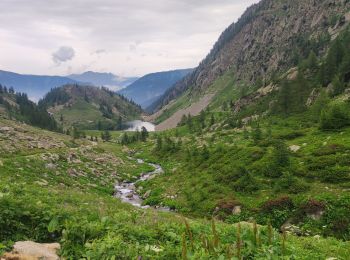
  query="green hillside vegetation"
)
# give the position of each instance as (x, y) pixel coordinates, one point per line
(86, 107)
(18, 106)
(275, 157)
(262, 173)
(71, 202)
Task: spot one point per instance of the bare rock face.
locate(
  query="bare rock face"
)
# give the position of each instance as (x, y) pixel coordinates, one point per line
(312, 98)
(261, 42)
(28, 250)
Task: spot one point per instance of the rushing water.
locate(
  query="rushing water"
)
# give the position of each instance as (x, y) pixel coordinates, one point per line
(126, 191)
(138, 124)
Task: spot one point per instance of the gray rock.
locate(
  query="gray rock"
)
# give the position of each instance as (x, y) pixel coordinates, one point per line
(50, 166)
(237, 210)
(147, 194)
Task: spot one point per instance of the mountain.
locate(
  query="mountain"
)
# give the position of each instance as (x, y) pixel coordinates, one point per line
(270, 38)
(264, 155)
(16, 105)
(35, 86)
(150, 87)
(109, 80)
(89, 107)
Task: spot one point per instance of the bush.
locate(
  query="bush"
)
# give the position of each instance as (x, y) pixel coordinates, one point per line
(291, 184)
(281, 203)
(312, 206)
(336, 174)
(334, 117)
(226, 206)
(247, 183)
(330, 149)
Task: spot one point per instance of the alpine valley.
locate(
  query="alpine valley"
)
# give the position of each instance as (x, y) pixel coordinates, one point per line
(250, 157)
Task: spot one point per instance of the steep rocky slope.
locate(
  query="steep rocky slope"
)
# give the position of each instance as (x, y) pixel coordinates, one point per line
(268, 39)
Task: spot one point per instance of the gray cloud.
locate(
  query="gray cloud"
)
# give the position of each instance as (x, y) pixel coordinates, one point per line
(63, 54)
(183, 30)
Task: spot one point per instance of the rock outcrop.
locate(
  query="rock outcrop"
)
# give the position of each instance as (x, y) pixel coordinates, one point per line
(263, 41)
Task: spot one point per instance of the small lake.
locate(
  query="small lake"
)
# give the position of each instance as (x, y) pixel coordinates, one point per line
(135, 125)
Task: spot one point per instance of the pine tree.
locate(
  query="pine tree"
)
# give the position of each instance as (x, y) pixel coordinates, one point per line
(106, 136)
(144, 134)
(257, 134)
(285, 97)
(212, 120)
(312, 61)
(159, 144)
(338, 86)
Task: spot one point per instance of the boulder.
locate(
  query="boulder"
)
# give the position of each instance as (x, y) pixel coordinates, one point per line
(29, 250)
(295, 230)
(237, 210)
(5, 129)
(294, 148)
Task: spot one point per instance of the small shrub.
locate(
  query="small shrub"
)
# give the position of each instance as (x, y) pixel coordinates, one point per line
(334, 117)
(291, 184)
(281, 203)
(247, 183)
(330, 149)
(336, 174)
(312, 206)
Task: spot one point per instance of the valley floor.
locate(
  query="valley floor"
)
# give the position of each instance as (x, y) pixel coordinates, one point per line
(56, 189)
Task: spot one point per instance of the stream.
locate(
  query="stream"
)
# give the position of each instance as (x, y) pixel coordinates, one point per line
(126, 191)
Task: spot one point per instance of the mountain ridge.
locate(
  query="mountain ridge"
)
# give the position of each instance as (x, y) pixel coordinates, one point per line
(109, 80)
(244, 49)
(150, 87)
(36, 86)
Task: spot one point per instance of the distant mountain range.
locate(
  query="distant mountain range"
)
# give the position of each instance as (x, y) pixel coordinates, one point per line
(34, 85)
(150, 87)
(143, 91)
(109, 80)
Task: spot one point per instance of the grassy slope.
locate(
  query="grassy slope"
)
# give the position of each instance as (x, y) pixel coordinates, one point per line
(45, 203)
(196, 186)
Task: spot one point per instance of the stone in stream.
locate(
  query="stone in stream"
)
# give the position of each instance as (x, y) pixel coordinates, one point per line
(130, 195)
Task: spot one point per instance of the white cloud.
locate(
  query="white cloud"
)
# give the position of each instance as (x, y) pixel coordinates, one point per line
(123, 37)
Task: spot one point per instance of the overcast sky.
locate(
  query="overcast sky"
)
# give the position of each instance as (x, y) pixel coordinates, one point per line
(125, 37)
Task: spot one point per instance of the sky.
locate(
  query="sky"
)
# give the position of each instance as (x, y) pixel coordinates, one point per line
(125, 37)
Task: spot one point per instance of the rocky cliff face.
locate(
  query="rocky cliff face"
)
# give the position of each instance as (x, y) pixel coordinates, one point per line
(268, 38)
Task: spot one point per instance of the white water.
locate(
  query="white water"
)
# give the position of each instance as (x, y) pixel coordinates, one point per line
(138, 124)
(126, 191)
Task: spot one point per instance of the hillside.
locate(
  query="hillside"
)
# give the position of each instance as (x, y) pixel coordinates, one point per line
(17, 106)
(54, 189)
(270, 38)
(33, 85)
(150, 87)
(108, 80)
(251, 160)
(275, 152)
(88, 107)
